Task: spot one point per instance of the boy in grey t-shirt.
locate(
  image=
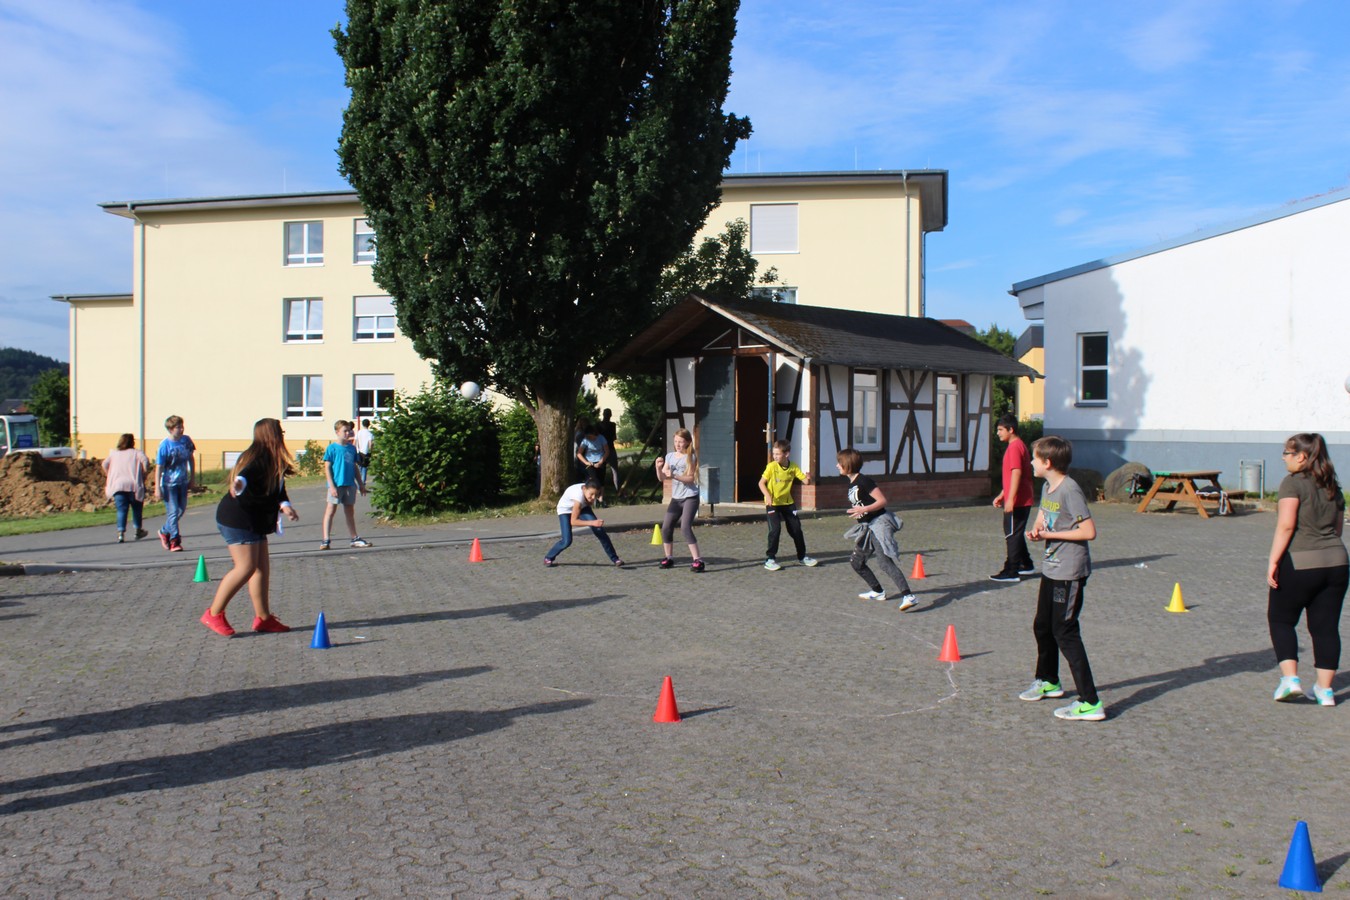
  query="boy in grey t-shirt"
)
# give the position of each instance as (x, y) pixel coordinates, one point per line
(1065, 525)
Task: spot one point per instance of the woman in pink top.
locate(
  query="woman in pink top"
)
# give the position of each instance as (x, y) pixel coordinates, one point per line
(126, 467)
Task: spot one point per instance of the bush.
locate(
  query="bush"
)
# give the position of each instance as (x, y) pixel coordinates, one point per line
(435, 451)
(519, 440)
(310, 460)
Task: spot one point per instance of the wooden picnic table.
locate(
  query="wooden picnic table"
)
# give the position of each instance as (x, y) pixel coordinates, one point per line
(1181, 486)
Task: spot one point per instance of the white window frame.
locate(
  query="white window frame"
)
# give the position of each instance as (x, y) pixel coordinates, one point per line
(947, 412)
(311, 397)
(381, 389)
(307, 333)
(371, 323)
(1084, 368)
(363, 248)
(774, 293)
(865, 410)
(311, 243)
(773, 228)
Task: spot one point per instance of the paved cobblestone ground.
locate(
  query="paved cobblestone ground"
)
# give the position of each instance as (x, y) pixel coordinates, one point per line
(485, 729)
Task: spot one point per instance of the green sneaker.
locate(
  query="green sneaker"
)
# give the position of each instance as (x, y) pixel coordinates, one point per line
(1041, 689)
(1088, 712)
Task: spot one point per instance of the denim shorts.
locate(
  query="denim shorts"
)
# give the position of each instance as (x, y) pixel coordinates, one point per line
(240, 535)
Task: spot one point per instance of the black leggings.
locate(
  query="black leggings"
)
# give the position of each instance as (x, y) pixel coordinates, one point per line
(1322, 593)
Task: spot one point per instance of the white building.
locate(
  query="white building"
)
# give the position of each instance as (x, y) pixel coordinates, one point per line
(1205, 351)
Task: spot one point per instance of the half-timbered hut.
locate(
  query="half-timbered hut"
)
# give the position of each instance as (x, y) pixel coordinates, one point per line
(912, 395)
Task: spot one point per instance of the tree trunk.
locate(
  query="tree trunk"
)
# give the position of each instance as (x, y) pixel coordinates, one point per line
(553, 419)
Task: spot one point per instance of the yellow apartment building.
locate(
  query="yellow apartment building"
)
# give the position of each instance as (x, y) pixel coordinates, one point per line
(254, 306)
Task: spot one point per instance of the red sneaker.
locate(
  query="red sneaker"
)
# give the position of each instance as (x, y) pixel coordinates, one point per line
(270, 624)
(176, 545)
(217, 623)
(164, 540)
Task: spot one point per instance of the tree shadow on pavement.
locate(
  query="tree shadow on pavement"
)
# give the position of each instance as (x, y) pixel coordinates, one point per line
(1162, 682)
(306, 748)
(520, 612)
(225, 705)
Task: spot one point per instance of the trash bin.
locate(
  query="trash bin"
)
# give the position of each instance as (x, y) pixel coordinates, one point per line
(1252, 475)
(709, 486)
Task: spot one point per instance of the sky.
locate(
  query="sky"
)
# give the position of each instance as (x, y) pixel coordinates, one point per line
(1070, 131)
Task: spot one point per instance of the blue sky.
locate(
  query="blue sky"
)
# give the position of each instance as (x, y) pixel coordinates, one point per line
(1071, 131)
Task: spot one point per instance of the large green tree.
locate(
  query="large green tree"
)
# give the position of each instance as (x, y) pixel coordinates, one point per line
(530, 168)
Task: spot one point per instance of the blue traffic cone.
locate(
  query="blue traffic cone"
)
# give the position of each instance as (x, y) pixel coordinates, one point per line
(1300, 870)
(320, 641)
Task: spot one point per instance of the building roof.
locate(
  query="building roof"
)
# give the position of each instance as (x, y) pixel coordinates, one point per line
(1031, 339)
(1289, 209)
(818, 334)
(931, 183)
(91, 298)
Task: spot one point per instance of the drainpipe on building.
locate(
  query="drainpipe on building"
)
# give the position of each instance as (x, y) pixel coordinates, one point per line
(140, 393)
(904, 187)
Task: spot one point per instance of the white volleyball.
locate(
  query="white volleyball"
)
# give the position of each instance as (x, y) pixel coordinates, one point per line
(470, 390)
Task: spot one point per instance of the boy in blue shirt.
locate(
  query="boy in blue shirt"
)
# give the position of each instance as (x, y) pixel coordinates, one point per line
(173, 474)
(344, 480)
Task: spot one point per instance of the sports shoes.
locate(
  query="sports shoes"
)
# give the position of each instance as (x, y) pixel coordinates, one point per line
(1012, 577)
(548, 563)
(907, 602)
(809, 562)
(140, 533)
(361, 542)
(324, 545)
(217, 623)
(164, 540)
(772, 564)
(696, 566)
(270, 624)
(1290, 689)
(618, 564)
(1041, 689)
(1324, 696)
(1087, 712)
(1029, 570)
(176, 545)
(872, 595)
(667, 563)
(121, 537)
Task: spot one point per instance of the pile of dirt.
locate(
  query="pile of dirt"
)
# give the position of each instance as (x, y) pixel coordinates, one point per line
(32, 486)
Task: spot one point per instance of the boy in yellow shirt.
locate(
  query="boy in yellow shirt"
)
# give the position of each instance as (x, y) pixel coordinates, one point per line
(776, 486)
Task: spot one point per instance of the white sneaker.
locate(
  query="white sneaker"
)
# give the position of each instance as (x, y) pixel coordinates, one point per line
(808, 561)
(1324, 696)
(1290, 689)
(909, 601)
(872, 595)
(772, 565)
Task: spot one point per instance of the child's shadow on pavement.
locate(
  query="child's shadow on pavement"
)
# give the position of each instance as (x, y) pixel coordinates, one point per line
(1162, 682)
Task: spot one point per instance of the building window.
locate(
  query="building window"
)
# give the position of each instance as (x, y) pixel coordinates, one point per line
(373, 319)
(304, 319)
(304, 396)
(373, 395)
(773, 228)
(775, 293)
(1093, 352)
(866, 411)
(947, 427)
(304, 243)
(363, 243)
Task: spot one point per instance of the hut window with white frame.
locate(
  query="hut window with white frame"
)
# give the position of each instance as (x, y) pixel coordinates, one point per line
(1093, 359)
(947, 427)
(304, 396)
(304, 243)
(373, 319)
(363, 243)
(374, 394)
(866, 410)
(304, 319)
(773, 228)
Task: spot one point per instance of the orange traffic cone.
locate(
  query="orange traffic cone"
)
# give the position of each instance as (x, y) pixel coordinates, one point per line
(950, 652)
(666, 710)
(475, 552)
(918, 567)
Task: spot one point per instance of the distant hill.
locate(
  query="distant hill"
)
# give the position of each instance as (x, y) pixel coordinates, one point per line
(20, 368)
